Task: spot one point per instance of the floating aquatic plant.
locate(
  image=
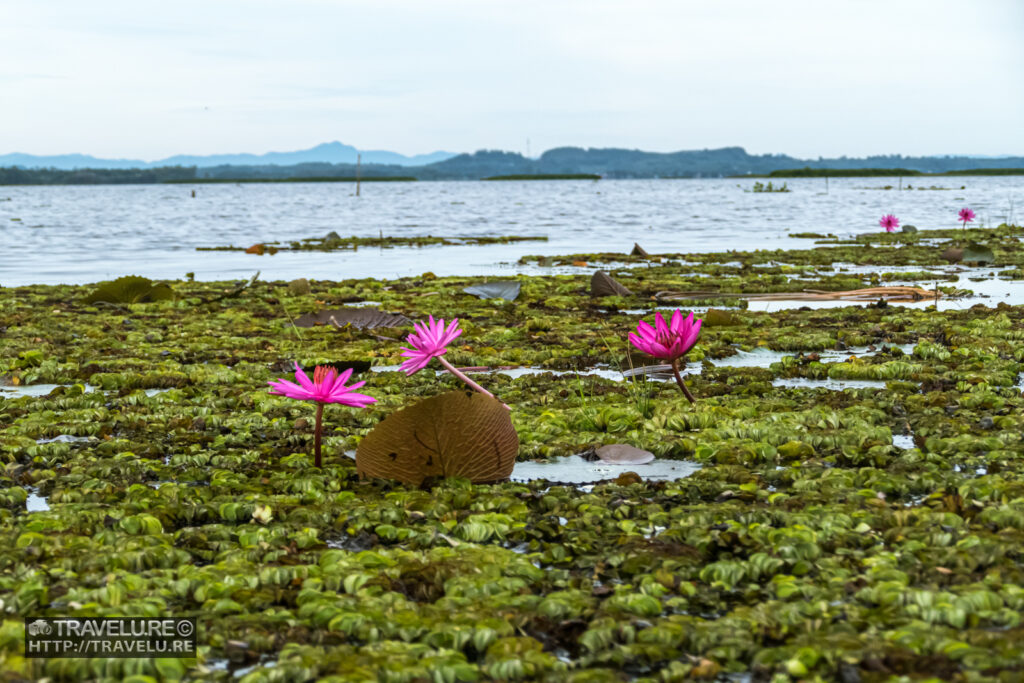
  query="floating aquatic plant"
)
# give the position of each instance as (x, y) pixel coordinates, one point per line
(130, 289)
(327, 386)
(668, 341)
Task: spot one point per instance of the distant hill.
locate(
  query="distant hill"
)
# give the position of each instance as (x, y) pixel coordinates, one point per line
(328, 152)
(727, 161)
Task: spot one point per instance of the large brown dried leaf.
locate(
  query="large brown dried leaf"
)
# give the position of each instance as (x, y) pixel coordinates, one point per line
(457, 434)
(360, 318)
(602, 284)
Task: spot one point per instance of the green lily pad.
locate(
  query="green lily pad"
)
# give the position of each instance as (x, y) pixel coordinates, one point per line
(978, 253)
(130, 289)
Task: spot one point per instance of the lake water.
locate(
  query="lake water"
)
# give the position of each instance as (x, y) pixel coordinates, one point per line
(79, 234)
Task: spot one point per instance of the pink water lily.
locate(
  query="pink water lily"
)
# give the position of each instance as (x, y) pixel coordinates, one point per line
(669, 341)
(430, 340)
(327, 386)
(966, 216)
(889, 222)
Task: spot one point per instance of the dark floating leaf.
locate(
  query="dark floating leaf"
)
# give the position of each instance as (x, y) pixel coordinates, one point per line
(507, 290)
(299, 287)
(638, 251)
(602, 284)
(716, 318)
(356, 366)
(953, 255)
(130, 289)
(623, 454)
(457, 434)
(359, 318)
(909, 228)
(978, 253)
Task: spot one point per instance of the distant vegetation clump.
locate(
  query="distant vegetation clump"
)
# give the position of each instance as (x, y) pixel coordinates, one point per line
(15, 175)
(316, 179)
(986, 171)
(762, 187)
(807, 172)
(545, 176)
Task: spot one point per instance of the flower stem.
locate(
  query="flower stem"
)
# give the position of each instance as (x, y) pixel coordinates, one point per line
(461, 375)
(316, 437)
(679, 381)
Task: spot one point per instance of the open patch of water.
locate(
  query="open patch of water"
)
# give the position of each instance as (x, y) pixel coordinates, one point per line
(904, 441)
(36, 503)
(574, 469)
(763, 358)
(34, 390)
(65, 438)
(831, 384)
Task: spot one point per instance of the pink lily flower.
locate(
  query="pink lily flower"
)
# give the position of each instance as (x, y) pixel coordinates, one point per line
(430, 340)
(889, 222)
(327, 386)
(966, 216)
(669, 341)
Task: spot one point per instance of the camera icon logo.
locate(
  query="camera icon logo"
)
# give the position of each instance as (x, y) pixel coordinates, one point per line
(39, 628)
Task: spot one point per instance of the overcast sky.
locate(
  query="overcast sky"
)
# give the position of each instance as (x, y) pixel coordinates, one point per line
(146, 79)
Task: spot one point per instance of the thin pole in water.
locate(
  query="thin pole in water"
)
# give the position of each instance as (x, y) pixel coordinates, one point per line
(826, 184)
(359, 168)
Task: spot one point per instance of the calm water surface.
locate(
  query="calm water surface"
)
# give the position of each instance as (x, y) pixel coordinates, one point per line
(67, 234)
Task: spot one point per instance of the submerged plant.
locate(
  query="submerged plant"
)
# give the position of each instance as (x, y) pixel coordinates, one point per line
(889, 222)
(966, 216)
(669, 341)
(327, 386)
(431, 340)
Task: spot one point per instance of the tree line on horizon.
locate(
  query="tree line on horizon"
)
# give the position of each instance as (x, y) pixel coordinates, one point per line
(608, 163)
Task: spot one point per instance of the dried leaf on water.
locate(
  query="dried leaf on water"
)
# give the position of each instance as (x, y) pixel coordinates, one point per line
(359, 318)
(638, 251)
(602, 284)
(623, 454)
(507, 290)
(456, 434)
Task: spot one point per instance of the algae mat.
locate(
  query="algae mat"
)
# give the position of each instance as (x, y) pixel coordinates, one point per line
(807, 546)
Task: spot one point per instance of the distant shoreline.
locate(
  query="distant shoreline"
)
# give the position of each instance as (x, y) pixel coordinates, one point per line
(177, 176)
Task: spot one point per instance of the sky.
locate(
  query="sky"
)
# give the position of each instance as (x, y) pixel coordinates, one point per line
(138, 79)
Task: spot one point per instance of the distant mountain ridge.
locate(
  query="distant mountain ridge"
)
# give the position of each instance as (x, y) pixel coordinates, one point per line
(328, 152)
